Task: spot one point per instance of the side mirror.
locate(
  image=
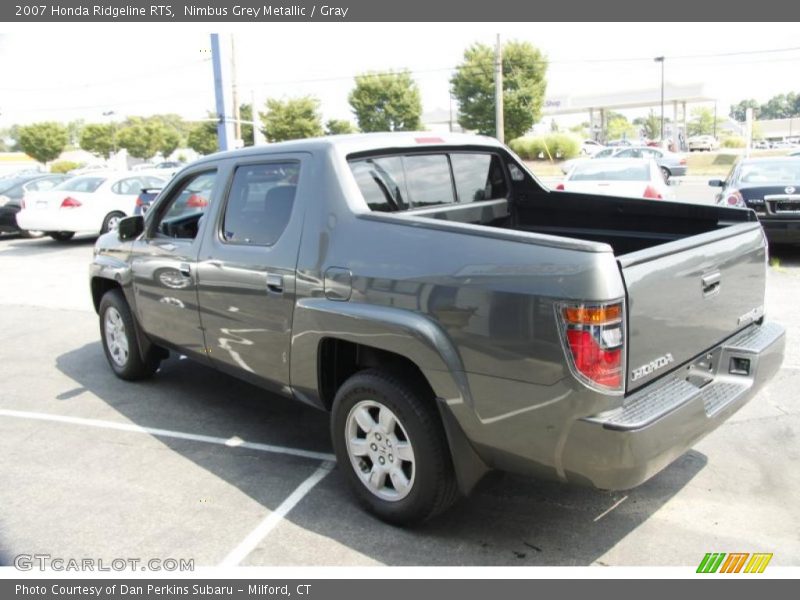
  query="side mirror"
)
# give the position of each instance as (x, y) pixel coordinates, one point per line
(716, 183)
(130, 228)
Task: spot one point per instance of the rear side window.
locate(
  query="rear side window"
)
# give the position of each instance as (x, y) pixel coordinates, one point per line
(478, 177)
(382, 182)
(260, 203)
(81, 184)
(428, 179)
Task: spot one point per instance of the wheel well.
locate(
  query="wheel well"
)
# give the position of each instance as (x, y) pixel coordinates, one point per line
(339, 359)
(101, 285)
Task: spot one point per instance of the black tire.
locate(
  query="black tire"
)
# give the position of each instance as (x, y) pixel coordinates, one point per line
(433, 487)
(665, 172)
(110, 220)
(61, 236)
(133, 366)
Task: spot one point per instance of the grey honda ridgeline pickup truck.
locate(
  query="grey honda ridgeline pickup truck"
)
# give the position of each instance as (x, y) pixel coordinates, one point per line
(449, 312)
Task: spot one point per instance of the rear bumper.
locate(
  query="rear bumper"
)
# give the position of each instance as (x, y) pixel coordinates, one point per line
(623, 448)
(76, 220)
(781, 231)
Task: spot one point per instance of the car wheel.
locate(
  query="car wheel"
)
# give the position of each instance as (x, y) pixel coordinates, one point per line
(31, 234)
(118, 335)
(391, 445)
(111, 221)
(666, 173)
(61, 236)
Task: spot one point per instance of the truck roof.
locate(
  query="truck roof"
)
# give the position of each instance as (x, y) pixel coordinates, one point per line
(362, 142)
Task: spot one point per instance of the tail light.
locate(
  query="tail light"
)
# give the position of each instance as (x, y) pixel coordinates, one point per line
(70, 202)
(734, 199)
(560, 187)
(683, 161)
(196, 201)
(22, 203)
(594, 339)
(139, 203)
(651, 192)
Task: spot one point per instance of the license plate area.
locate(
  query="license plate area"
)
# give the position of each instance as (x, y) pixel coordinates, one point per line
(783, 204)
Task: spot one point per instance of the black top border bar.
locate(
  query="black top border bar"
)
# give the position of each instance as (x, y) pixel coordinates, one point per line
(255, 11)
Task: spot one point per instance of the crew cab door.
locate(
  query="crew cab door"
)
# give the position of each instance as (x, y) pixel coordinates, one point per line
(164, 263)
(247, 268)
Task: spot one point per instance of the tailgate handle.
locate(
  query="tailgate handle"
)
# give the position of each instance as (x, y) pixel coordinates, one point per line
(711, 283)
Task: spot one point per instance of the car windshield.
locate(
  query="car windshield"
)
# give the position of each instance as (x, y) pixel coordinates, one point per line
(81, 184)
(611, 172)
(787, 171)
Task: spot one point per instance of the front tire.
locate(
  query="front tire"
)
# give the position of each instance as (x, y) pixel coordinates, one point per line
(391, 445)
(118, 335)
(61, 236)
(665, 172)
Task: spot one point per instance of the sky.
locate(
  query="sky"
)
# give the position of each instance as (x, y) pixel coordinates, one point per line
(56, 72)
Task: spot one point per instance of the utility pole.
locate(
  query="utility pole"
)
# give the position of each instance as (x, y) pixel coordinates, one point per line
(221, 95)
(498, 91)
(661, 60)
(237, 125)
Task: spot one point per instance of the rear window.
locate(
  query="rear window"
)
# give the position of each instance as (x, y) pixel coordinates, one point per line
(394, 183)
(787, 171)
(607, 172)
(81, 184)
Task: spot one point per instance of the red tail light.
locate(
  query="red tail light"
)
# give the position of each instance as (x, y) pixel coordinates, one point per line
(735, 199)
(683, 161)
(651, 192)
(139, 202)
(594, 338)
(196, 201)
(22, 203)
(70, 202)
(560, 187)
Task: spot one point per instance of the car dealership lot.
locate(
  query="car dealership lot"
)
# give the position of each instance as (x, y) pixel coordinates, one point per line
(97, 467)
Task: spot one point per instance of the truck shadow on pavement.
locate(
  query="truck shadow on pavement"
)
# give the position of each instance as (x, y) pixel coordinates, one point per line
(508, 520)
(23, 247)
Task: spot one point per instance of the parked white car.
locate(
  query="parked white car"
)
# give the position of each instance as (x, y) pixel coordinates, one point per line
(634, 177)
(591, 147)
(706, 143)
(85, 204)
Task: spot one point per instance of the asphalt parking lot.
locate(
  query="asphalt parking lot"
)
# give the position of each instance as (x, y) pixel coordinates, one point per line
(195, 464)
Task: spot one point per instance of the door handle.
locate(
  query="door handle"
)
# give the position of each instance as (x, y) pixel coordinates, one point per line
(275, 283)
(711, 283)
(185, 269)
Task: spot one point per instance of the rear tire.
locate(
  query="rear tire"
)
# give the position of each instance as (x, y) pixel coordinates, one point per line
(665, 172)
(61, 236)
(391, 445)
(111, 221)
(118, 336)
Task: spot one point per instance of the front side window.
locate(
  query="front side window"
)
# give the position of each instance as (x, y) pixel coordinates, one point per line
(260, 203)
(181, 213)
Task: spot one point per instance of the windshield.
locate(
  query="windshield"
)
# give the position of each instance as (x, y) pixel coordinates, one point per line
(771, 172)
(611, 172)
(81, 184)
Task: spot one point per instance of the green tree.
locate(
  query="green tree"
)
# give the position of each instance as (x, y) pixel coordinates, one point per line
(738, 110)
(618, 126)
(524, 84)
(292, 119)
(702, 121)
(339, 126)
(144, 138)
(43, 141)
(386, 102)
(202, 137)
(650, 125)
(98, 138)
(246, 114)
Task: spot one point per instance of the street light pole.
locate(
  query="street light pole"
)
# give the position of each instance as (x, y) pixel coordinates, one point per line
(660, 59)
(110, 115)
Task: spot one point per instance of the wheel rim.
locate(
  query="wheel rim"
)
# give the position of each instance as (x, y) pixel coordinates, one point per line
(380, 451)
(113, 222)
(116, 337)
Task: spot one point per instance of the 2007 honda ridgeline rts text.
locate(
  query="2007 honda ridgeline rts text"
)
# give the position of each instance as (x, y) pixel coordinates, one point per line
(451, 313)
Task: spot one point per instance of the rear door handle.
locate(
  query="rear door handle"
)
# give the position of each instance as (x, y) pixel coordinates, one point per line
(275, 283)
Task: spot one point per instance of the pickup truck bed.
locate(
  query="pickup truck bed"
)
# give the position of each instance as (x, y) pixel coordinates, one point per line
(452, 314)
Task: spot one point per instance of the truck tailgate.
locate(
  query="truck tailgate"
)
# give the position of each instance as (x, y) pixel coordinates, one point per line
(689, 295)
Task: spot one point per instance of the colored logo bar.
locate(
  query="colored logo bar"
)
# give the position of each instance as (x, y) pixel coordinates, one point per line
(734, 562)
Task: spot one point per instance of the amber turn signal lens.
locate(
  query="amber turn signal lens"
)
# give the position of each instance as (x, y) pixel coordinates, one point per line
(592, 315)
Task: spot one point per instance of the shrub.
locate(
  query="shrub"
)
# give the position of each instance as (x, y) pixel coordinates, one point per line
(733, 141)
(63, 166)
(553, 145)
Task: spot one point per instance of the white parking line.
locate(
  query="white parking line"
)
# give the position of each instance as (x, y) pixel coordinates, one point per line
(269, 523)
(233, 442)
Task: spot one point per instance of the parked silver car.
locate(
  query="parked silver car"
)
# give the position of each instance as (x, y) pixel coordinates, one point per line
(670, 163)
